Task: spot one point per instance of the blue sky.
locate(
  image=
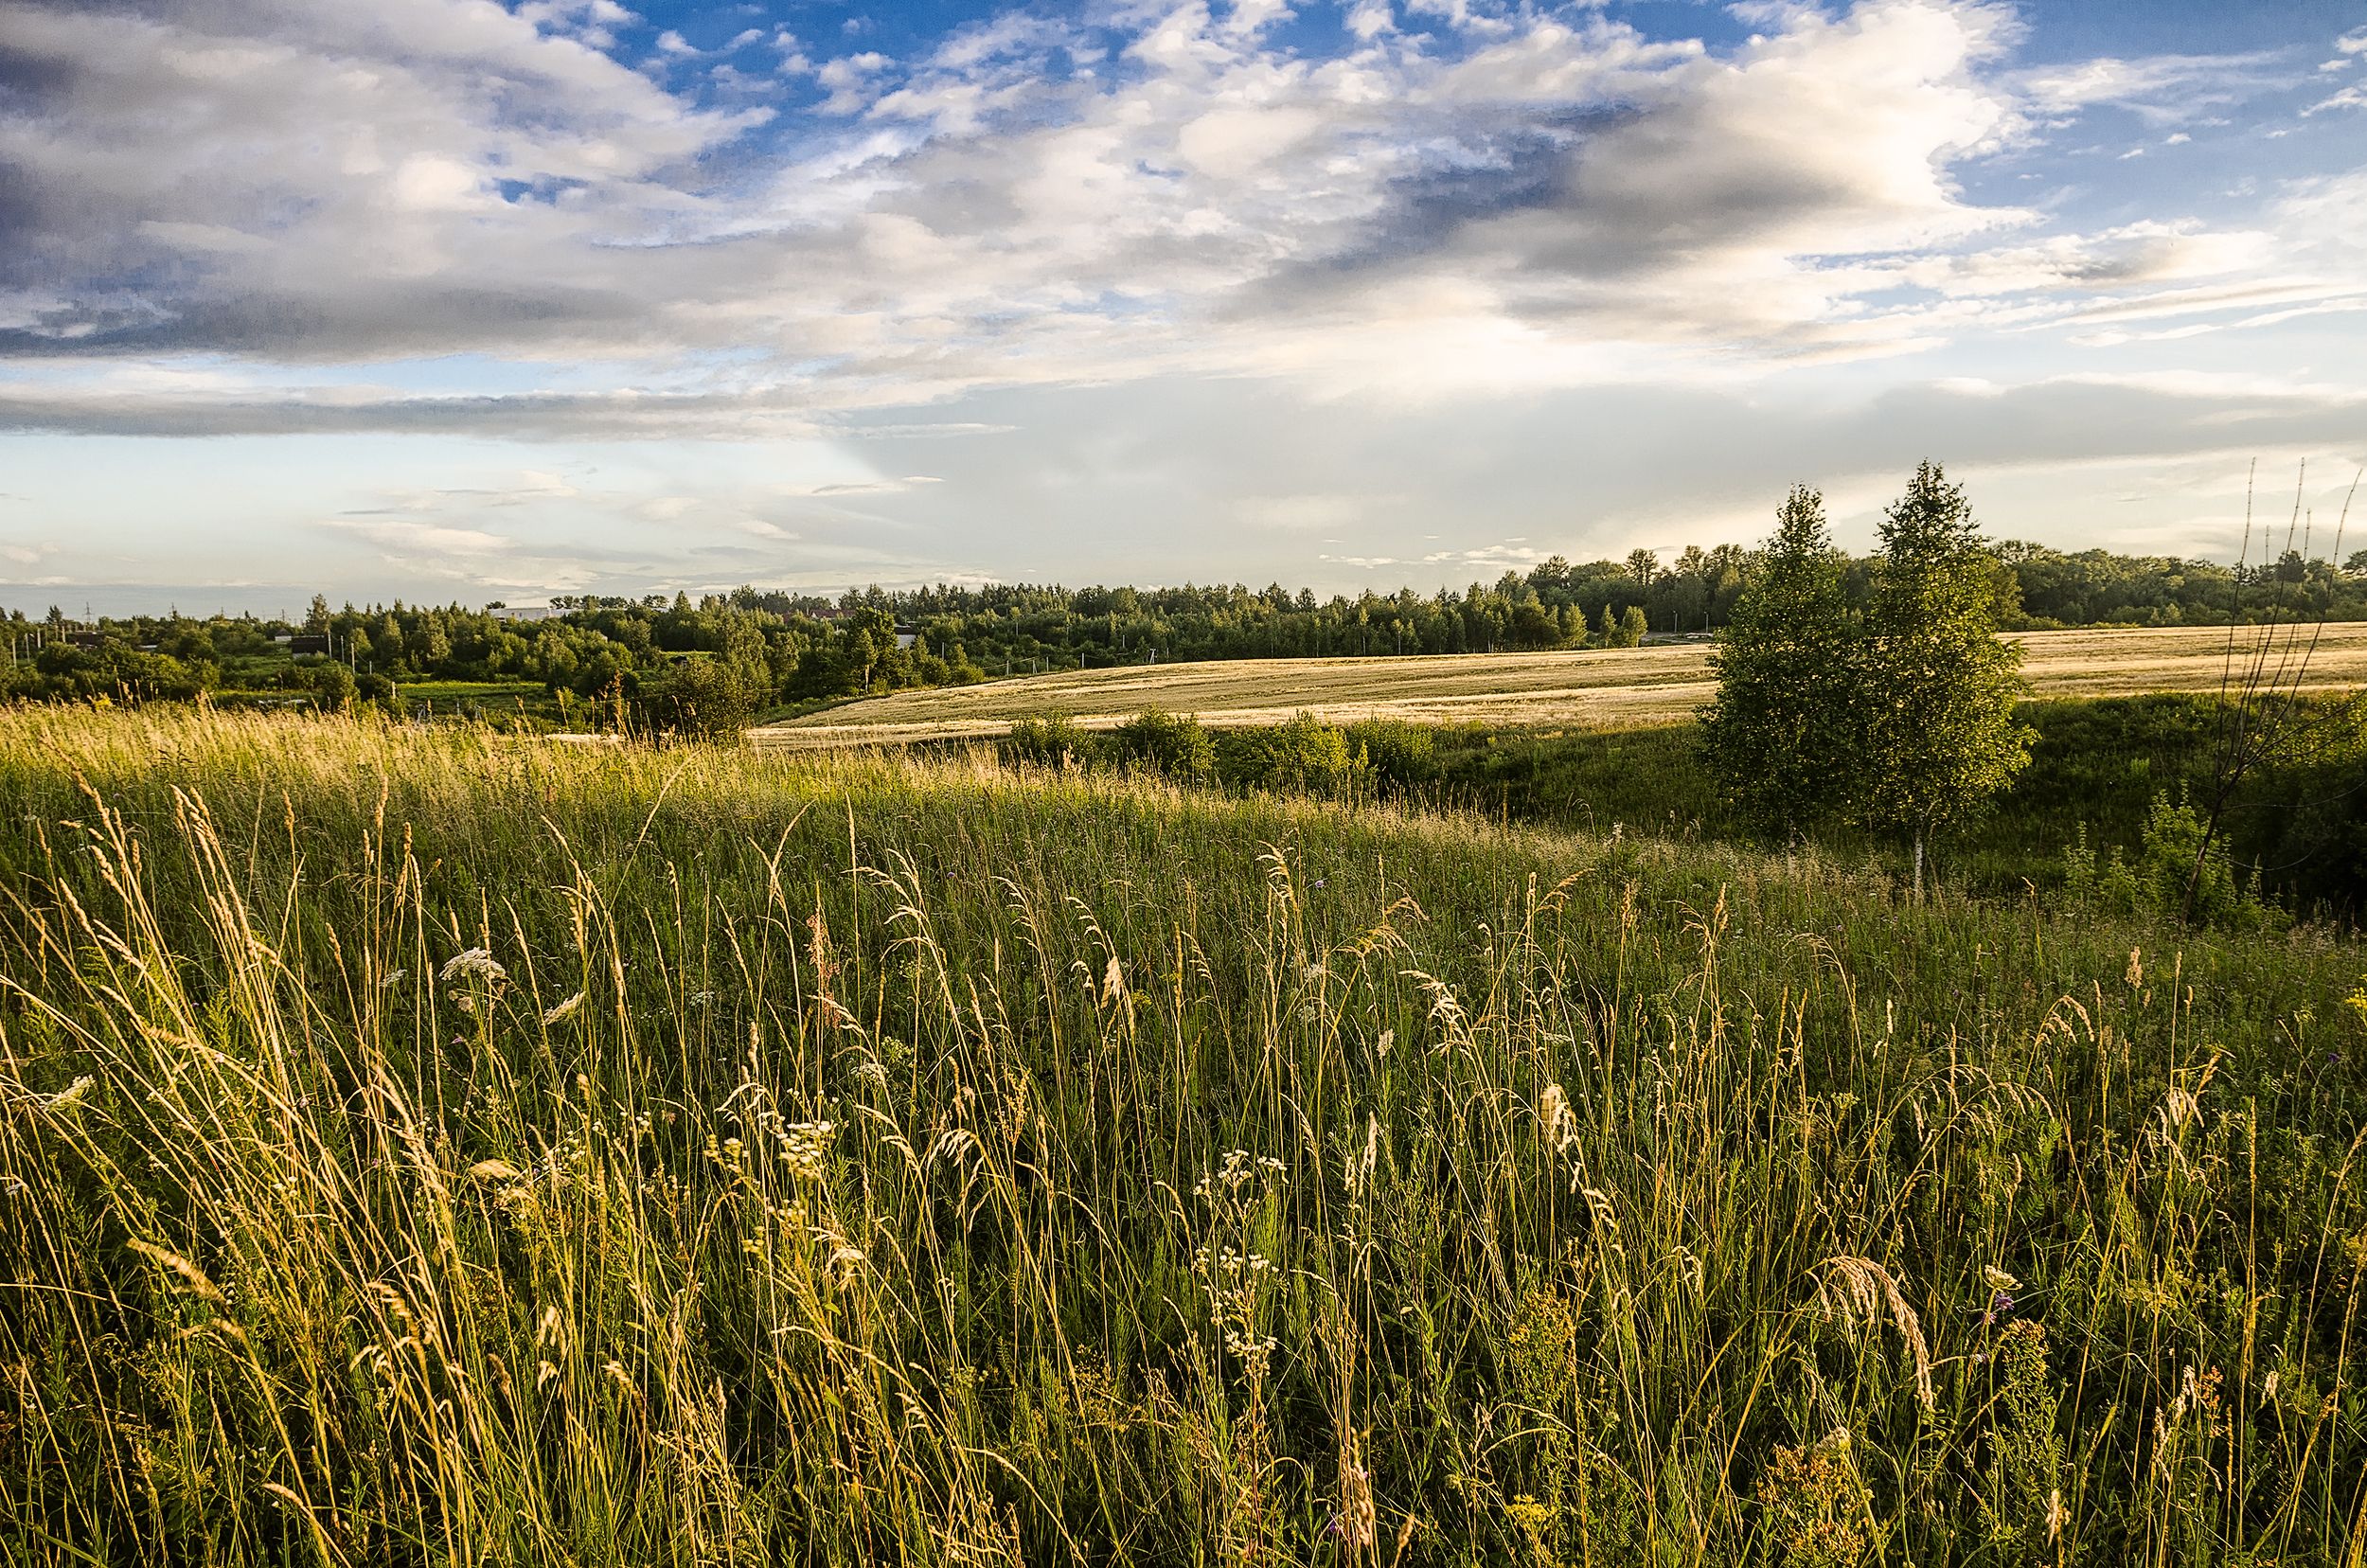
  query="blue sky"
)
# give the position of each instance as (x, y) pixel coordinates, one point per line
(453, 299)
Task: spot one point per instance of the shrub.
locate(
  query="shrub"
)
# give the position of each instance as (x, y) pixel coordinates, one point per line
(1400, 756)
(1165, 743)
(333, 685)
(2174, 853)
(701, 699)
(1051, 742)
(1304, 756)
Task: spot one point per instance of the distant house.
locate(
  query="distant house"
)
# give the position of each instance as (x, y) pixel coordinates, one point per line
(904, 638)
(526, 613)
(306, 642)
(86, 639)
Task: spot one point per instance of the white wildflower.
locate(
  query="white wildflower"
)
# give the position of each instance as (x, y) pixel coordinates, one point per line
(475, 964)
(561, 1012)
(72, 1095)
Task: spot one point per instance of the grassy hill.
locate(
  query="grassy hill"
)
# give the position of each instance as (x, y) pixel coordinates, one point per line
(1596, 689)
(431, 1145)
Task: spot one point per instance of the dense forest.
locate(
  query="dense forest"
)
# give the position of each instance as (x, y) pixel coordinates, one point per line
(733, 655)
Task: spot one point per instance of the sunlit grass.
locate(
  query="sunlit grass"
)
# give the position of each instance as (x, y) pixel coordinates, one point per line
(433, 1146)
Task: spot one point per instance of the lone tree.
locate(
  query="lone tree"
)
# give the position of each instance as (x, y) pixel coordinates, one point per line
(1940, 735)
(1783, 734)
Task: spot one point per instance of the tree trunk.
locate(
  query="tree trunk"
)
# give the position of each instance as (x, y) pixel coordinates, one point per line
(1918, 866)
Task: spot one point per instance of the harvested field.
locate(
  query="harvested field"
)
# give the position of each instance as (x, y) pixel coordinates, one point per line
(1601, 688)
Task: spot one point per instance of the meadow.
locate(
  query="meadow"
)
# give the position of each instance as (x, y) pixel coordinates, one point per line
(1600, 688)
(430, 1146)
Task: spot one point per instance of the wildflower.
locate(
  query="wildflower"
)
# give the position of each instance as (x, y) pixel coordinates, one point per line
(806, 1146)
(72, 1095)
(475, 964)
(1998, 1279)
(561, 1012)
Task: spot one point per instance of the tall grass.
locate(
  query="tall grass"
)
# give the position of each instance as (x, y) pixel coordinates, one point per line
(436, 1148)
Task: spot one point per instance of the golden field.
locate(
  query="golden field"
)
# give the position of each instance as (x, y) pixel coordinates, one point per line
(1594, 689)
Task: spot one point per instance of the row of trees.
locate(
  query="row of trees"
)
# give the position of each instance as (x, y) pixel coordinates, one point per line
(784, 648)
(1884, 697)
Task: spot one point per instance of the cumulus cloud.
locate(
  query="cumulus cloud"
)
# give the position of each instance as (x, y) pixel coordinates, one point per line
(1465, 197)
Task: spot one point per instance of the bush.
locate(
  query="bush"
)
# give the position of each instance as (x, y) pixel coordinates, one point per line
(1401, 756)
(334, 687)
(1304, 756)
(701, 699)
(2174, 853)
(1156, 742)
(1051, 742)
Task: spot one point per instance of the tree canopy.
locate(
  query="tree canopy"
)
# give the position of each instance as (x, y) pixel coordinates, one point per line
(1893, 704)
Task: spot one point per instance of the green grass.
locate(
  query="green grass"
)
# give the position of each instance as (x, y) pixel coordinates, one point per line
(2095, 769)
(842, 1167)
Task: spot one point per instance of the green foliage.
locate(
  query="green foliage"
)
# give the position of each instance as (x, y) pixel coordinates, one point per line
(1055, 740)
(333, 685)
(2179, 872)
(1304, 756)
(701, 699)
(1159, 742)
(2021, 1500)
(1900, 712)
(1783, 734)
(1402, 758)
(1940, 735)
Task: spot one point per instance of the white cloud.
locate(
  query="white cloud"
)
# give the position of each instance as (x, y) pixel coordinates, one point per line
(292, 191)
(2159, 89)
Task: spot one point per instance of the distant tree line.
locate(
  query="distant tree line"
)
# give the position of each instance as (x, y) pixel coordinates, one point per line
(753, 650)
